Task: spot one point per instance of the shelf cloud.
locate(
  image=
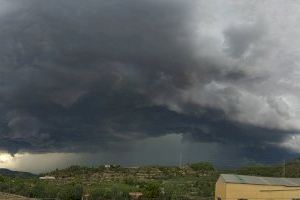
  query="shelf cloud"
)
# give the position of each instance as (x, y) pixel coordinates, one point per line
(86, 76)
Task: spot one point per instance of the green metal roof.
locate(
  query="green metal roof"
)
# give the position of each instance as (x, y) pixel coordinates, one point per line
(256, 180)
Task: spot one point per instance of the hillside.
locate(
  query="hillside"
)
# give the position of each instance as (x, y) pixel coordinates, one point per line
(7, 172)
(193, 181)
(290, 169)
(190, 182)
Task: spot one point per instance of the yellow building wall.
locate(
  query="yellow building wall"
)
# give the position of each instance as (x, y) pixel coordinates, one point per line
(257, 192)
(220, 190)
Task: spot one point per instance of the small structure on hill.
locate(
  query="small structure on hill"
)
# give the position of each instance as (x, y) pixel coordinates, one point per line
(47, 178)
(240, 187)
(85, 197)
(135, 195)
(107, 166)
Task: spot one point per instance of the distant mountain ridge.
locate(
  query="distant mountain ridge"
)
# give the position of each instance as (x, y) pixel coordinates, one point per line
(11, 173)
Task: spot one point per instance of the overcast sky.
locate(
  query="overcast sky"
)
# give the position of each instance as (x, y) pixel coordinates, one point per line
(97, 81)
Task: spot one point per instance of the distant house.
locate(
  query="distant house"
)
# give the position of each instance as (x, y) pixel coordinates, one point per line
(239, 187)
(47, 178)
(133, 167)
(135, 195)
(85, 197)
(107, 166)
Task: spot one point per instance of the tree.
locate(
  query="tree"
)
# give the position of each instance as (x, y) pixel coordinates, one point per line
(202, 166)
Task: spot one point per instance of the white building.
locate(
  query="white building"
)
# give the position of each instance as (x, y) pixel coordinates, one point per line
(107, 166)
(47, 178)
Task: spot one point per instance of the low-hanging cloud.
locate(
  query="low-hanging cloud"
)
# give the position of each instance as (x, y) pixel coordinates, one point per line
(84, 76)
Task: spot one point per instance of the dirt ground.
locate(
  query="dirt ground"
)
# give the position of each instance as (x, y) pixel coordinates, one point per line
(4, 196)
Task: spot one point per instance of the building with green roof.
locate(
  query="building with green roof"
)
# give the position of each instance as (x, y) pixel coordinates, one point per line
(240, 187)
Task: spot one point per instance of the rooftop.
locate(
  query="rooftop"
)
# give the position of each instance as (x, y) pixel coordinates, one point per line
(256, 180)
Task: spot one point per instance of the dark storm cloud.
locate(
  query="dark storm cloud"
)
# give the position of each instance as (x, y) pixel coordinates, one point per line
(83, 76)
(240, 38)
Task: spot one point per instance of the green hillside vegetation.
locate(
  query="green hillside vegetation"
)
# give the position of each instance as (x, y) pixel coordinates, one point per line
(11, 173)
(193, 181)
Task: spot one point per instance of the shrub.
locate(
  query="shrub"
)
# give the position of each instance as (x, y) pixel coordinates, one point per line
(152, 190)
(202, 166)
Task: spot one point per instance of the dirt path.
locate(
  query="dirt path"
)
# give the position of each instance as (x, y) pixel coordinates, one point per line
(4, 196)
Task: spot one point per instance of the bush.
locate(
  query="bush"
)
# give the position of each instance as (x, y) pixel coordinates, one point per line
(2, 179)
(98, 193)
(202, 166)
(71, 192)
(152, 190)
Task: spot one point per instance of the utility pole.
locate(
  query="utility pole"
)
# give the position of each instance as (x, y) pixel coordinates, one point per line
(283, 168)
(180, 160)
